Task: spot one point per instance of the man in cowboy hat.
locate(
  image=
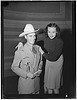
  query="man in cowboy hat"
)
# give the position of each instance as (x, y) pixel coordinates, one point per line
(27, 63)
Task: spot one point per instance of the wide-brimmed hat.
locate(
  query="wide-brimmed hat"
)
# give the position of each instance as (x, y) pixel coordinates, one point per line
(28, 29)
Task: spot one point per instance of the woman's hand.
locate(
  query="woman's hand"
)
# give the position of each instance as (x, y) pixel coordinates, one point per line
(41, 50)
(19, 46)
(30, 75)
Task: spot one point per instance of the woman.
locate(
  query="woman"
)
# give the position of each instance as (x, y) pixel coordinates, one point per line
(27, 63)
(54, 58)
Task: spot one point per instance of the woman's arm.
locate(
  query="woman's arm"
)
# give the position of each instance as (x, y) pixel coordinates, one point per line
(53, 56)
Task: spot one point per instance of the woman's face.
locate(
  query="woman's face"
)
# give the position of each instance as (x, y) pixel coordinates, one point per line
(30, 38)
(51, 32)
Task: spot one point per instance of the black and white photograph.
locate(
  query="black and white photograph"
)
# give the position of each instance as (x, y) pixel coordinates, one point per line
(38, 49)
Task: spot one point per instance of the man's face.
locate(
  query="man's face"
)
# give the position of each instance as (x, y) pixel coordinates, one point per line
(30, 38)
(51, 32)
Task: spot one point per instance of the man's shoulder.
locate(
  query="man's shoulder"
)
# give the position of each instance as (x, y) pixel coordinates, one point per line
(37, 46)
(18, 51)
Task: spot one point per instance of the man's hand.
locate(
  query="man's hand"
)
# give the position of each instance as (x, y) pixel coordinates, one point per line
(30, 75)
(37, 73)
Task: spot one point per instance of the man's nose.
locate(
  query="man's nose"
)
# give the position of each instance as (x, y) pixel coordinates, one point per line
(34, 37)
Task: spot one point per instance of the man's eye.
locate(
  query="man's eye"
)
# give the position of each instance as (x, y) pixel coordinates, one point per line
(53, 32)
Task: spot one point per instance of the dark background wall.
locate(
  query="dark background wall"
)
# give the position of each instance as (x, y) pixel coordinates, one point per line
(18, 14)
(15, 15)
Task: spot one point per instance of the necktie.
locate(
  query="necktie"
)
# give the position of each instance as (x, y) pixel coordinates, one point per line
(34, 50)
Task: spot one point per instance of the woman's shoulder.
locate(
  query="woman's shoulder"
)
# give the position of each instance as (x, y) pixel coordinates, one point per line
(59, 41)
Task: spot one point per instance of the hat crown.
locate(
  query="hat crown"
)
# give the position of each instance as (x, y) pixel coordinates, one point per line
(29, 28)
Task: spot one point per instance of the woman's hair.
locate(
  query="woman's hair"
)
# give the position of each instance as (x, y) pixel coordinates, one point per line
(53, 25)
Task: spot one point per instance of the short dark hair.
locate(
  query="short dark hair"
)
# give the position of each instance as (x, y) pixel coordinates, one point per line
(53, 25)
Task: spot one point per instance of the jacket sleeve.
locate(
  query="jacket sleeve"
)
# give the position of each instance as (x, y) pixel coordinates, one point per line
(41, 63)
(15, 65)
(53, 56)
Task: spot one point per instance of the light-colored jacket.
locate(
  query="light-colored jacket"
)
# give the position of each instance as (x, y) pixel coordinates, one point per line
(26, 61)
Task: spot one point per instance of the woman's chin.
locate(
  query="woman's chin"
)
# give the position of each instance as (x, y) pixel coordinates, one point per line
(52, 37)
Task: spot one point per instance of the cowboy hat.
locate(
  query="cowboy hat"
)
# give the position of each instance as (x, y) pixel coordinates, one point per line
(28, 29)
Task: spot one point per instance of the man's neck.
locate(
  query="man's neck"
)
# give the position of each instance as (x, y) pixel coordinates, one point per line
(30, 45)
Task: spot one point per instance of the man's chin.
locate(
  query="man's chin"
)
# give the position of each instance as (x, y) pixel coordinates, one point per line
(32, 43)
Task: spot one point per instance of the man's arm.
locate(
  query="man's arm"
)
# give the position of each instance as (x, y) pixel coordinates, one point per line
(15, 65)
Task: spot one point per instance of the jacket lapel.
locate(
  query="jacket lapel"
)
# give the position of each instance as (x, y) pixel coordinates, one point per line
(27, 49)
(37, 59)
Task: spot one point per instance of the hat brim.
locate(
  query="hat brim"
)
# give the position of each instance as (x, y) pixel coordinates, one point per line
(25, 33)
